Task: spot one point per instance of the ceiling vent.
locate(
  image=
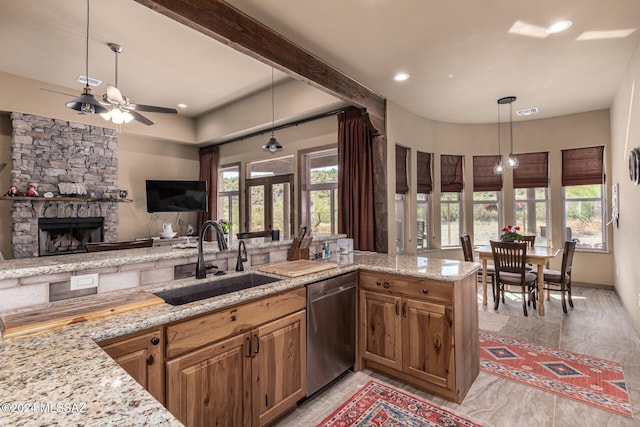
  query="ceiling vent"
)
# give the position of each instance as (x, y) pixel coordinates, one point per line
(527, 111)
(88, 80)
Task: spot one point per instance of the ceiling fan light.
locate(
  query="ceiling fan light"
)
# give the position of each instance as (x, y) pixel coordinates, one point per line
(127, 116)
(273, 145)
(116, 116)
(86, 103)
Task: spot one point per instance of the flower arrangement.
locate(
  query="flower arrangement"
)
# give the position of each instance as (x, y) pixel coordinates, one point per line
(225, 225)
(511, 233)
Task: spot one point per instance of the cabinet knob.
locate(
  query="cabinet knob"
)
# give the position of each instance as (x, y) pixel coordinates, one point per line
(378, 283)
(386, 285)
(425, 291)
(150, 360)
(155, 340)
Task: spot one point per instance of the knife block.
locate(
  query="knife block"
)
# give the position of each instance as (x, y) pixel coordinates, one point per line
(295, 252)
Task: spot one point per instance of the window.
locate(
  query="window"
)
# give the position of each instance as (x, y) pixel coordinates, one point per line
(451, 183)
(583, 194)
(531, 207)
(402, 188)
(269, 196)
(424, 186)
(531, 194)
(487, 192)
(320, 191)
(229, 196)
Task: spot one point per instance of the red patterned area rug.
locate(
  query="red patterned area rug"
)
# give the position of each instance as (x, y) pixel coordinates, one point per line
(378, 405)
(587, 379)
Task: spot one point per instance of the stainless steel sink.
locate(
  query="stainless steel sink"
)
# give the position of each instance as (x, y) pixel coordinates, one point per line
(214, 288)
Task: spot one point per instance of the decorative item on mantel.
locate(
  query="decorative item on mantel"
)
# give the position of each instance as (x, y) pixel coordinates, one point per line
(72, 189)
(511, 233)
(32, 191)
(13, 191)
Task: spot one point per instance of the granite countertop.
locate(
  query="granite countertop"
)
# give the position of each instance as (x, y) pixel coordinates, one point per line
(63, 377)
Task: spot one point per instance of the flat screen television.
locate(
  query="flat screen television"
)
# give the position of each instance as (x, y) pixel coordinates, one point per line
(176, 196)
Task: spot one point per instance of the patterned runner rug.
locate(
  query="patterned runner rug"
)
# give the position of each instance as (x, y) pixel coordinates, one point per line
(587, 379)
(382, 406)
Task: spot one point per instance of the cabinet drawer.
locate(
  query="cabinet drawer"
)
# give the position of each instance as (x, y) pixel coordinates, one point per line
(197, 332)
(392, 284)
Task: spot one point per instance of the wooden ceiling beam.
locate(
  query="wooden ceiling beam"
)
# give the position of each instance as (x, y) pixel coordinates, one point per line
(226, 24)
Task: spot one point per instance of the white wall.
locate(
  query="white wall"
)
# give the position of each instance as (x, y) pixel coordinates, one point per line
(625, 135)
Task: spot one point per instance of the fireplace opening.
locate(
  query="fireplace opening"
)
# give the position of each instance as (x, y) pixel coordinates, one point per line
(58, 236)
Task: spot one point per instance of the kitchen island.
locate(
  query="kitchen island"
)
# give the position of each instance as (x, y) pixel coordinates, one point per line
(64, 377)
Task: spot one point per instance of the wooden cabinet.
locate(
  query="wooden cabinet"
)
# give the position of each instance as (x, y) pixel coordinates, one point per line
(141, 355)
(421, 331)
(252, 370)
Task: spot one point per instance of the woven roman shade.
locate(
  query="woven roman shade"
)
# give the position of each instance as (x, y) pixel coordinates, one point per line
(484, 179)
(402, 185)
(583, 166)
(533, 170)
(451, 178)
(424, 182)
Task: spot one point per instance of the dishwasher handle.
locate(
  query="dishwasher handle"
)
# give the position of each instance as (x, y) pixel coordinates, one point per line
(332, 292)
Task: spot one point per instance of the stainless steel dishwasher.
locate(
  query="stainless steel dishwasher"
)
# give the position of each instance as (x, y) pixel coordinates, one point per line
(331, 329)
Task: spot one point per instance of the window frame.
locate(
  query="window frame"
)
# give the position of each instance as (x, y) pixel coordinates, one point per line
(456, 243)
(603, 217)
(498, 202)
(229, 195)
(535, 200)
(427, 221)
(306, 187)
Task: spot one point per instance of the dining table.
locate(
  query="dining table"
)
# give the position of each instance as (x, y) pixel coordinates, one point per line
(536, 255)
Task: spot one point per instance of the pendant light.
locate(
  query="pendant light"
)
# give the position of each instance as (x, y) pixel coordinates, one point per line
(87, 103)
(499, 169)
(273, 145)
(512, 161)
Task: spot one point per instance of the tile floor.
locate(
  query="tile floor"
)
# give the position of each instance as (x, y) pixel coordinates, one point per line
(597, 326)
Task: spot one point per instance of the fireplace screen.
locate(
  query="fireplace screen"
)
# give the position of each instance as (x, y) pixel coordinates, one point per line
(57, 236)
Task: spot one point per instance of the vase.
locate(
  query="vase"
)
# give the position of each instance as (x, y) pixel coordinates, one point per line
(226, 238)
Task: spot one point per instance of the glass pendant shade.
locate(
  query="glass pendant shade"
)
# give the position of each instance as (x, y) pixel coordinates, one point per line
(498, 169)
(512, 161)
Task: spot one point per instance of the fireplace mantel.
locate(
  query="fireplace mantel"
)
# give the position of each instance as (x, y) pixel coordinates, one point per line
(63, 199)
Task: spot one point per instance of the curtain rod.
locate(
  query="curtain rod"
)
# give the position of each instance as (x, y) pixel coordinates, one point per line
(283, 126)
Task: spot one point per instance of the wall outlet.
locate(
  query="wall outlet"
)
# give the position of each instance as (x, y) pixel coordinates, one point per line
(84, 281)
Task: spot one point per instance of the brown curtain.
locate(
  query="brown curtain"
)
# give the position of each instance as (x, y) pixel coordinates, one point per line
(424, 184)
(355, 180)
(532, 171)
(402, 184)
(209, 173)
(451, 178)
(484, 178)
(583, 166)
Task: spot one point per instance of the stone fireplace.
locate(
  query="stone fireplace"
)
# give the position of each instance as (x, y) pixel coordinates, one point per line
(47, 152)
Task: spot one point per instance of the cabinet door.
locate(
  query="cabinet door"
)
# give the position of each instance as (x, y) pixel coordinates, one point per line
(212, 386)
(427, 339)
(141, 357)
(380, 329)
(279, 367)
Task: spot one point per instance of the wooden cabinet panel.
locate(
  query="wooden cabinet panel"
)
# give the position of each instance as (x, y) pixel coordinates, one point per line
(380, 324)
(432, 343)
(279, 367)
(191, 334)
(428, 342)
(395, 284)
(212, 386)
(141, 356)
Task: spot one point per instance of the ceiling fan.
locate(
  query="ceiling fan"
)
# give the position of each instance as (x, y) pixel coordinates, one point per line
(121, 109)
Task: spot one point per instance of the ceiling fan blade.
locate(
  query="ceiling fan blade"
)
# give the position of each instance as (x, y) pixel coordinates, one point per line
(153, 109)
(139, 117)
(113, 93)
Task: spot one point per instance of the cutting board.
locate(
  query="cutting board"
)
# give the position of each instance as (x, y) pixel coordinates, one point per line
(297, 268)
(33, 321)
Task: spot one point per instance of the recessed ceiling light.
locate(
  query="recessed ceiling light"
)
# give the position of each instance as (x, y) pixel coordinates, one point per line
(182, 105)
(400, 77)
(559, 26)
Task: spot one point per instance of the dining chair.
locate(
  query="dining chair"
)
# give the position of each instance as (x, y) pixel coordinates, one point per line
(467, 251)
(560, 281)
(509, 260)
(529, 240)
